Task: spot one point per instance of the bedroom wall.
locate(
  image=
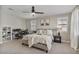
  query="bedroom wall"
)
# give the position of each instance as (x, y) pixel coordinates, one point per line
(53, 25)
(38, 26)
(66, 35)
(28, 25)
(8, 19)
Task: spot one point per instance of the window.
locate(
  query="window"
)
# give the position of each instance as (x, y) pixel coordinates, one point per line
(33, 25)
(62, 23)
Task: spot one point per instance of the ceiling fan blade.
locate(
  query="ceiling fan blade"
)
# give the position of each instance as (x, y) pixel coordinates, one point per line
(39, 12)
(25, 12)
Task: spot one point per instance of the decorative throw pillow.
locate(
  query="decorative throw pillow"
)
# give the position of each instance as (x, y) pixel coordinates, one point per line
(45, 32)
(49, 32)
(39, 32)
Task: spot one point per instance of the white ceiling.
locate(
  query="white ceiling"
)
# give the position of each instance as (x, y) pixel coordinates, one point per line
(47, 9)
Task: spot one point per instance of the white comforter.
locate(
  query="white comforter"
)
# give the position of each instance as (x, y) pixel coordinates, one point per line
(34, 39)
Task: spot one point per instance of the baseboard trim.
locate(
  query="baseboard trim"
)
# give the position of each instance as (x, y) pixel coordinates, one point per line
(77, 49)
(65, 41)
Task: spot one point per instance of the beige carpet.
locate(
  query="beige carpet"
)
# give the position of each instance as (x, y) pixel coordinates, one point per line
(15, 47)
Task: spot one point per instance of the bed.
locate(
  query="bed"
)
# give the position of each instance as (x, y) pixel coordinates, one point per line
(40, 41)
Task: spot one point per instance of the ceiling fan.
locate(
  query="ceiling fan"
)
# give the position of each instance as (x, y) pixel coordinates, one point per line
(34, 12)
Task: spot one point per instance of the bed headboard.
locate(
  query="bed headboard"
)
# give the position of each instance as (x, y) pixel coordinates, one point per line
(46, 32)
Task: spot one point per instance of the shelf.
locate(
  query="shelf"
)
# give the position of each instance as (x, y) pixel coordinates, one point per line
(7, 33)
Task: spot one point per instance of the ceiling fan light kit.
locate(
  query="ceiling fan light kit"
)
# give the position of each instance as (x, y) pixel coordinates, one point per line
(33, 11)
(33, 14)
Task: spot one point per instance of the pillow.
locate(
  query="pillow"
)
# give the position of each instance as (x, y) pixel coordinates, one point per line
(49, 32)
(39, 32)
(45, 32)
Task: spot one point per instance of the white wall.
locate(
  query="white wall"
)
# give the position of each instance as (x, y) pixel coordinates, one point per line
(9, 19)
(66, 35)
(53, 25)
(28, 25)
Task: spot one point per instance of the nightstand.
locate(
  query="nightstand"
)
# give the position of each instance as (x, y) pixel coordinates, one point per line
(57, 38)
